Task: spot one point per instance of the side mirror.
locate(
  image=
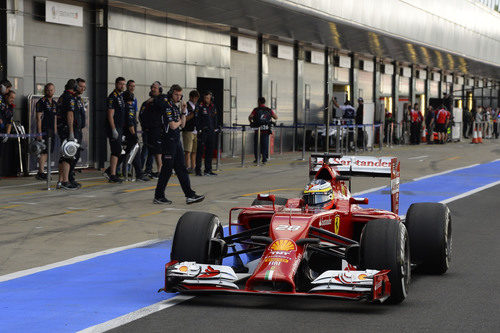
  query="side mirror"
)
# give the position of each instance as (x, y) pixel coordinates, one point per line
(267, 197)
(358, 201)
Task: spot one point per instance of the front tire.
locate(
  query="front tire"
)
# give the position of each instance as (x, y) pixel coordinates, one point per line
(385, 245)
(194, 239)
(429, 229)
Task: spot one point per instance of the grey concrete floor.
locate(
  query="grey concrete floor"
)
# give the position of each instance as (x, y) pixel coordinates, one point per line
(39, 227)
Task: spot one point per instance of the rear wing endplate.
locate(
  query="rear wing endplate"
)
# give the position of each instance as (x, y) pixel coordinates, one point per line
(368, 166)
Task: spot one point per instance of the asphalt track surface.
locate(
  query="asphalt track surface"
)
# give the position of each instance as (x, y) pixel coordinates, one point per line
(465, 299)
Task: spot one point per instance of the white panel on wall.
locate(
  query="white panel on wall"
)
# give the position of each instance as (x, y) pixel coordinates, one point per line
(248, 45)
(406, 71)
(156, 48)
(449, 78)
(318, 57)
(176, 50)
(436, 76)
(389, 69)
(368, 65)
(344, 61)
(285, 52)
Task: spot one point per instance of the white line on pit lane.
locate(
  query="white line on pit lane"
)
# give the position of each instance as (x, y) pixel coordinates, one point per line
(129, 317)
(445, 172)
(417, 157)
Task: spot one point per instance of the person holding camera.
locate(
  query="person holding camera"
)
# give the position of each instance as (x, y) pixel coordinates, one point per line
(46, 122)
(262, 117)
(173, 153)
(206, 122)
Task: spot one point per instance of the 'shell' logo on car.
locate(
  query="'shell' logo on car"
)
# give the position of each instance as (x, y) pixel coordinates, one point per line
(283, 245)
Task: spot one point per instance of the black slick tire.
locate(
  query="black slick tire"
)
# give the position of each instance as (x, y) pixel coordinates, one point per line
(429, 229)
(193, 238)
(385, 245)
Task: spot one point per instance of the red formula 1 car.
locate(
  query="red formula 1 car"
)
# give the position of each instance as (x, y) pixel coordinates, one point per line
(323, 243)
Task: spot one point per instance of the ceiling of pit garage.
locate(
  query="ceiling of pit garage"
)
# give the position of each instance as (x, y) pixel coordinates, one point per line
(267, 18)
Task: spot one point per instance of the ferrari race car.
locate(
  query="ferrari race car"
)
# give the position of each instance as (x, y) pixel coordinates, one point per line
(321, 244)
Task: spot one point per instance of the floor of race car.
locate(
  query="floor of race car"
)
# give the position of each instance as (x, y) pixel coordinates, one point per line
(121, 283)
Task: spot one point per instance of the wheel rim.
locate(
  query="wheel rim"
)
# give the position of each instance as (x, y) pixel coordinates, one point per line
(405, 267)
(447, 240)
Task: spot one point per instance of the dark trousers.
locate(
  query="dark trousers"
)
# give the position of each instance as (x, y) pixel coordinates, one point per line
(264, 145)
(173, 159)
(206, 140)
(72, 165)
(146, 156)
(415, 132)
(136, 162)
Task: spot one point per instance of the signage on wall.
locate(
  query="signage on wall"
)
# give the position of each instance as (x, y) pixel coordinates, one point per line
(62, 13)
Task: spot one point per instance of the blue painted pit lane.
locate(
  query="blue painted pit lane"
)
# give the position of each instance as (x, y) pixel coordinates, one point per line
(87, 293)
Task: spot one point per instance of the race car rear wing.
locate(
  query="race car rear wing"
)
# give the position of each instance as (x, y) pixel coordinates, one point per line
(368, 166)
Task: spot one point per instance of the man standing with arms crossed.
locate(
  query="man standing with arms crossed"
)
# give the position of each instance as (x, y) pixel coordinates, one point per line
(114, 127)
(189, 138)
(173, 154)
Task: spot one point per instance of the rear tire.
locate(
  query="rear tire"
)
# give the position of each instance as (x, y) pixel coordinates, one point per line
(385, 245)
(279, 201)
(429, 229)
(193, 238)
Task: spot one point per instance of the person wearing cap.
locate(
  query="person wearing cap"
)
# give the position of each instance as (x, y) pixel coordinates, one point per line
(206, 123)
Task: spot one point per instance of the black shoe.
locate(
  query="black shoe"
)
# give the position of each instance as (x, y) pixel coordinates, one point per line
(41, 176)
(115, 179)
(210, 173)
(68, 186)
(107, 174)
(194, 198)
(190, 170)
(264, 162)
(254, 161)
(198, 173)
(162, 201)
(143, 178)
(75, 183)
(154, 175)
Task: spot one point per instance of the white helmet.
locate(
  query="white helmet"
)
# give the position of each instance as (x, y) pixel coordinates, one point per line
(318, 192)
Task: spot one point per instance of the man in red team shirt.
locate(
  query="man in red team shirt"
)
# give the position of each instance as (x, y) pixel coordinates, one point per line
(442, 118)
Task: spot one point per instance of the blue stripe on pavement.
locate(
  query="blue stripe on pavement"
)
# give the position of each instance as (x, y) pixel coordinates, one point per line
(90, 292)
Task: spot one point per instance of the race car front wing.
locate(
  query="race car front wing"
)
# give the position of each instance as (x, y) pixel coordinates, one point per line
(186, 277)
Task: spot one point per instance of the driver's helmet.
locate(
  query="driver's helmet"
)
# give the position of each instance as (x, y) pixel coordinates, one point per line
(317, 192)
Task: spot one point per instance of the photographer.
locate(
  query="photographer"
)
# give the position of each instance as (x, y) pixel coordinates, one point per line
(262, 117)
